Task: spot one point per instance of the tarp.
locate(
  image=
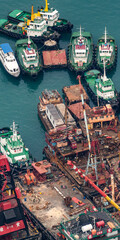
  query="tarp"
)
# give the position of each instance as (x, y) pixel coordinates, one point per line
(6, 47)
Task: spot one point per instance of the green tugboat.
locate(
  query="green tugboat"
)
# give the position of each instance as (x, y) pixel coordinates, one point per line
(80, 51)
(106, 50)
(13, 147)
(101, 88)
(50, 15)
(28, 57)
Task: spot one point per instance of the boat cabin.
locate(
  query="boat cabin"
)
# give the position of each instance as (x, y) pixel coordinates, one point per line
(105, 50)
(37, 27)
(50, 16)
(81, 51)
(30, 54)
(105, 89)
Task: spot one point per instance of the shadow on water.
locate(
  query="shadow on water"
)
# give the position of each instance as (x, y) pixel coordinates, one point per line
(33, 83)
(6, 76)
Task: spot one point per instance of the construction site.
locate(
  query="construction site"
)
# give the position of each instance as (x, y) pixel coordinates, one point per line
(74, 191)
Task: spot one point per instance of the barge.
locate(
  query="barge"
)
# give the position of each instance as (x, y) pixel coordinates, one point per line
(72, 93)
(50, 15)
(52, 198)
(51, 111)
(54, 58)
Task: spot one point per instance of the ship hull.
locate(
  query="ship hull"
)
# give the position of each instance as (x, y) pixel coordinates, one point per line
(113, 60)
(72, 65)
(41, 39)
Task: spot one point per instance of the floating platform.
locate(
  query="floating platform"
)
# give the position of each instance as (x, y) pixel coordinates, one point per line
(72, 93)
(76, 110)
(53, 201)
(54, 58)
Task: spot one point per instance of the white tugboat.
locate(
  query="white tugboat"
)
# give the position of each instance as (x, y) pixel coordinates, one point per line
(13, 147)
(8, 60)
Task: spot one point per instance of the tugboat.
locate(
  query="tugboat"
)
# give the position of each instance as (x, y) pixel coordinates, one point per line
(13, 147)
(16, 221)
(28, 57)
(51, 16)
(36, 28)
(80, 51)
(106, 50)
(101, 88)
(8, 60)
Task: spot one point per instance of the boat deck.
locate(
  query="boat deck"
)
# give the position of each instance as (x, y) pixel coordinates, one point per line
(54, 58)
(48, 201)
(72, 93)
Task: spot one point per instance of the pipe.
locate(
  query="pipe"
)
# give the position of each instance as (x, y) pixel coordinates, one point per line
(94, 185)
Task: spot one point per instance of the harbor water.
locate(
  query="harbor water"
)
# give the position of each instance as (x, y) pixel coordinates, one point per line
(19, 96)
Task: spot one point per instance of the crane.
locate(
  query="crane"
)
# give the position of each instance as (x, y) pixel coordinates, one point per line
(93, 185)
(91, 161)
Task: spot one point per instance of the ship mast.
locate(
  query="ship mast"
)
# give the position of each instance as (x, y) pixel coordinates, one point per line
(14, 132)
(32, 14)
(105, 35)
(104, 76)
(46, 6)
(29, 42)
(80, 33)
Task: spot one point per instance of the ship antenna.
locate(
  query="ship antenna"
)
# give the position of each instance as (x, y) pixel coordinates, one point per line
(80, 33)
(14, 131)
(29, 42)
(105, 35)
(104, 76)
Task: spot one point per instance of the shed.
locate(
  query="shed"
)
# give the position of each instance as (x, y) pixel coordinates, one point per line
(53, 116)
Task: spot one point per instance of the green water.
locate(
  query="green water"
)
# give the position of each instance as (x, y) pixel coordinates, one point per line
(19, 97)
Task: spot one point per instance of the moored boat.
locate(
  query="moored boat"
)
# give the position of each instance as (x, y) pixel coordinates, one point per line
(106, 50)
(16, 222)
(80, 51)
(35, 28)
(13, 147)
(50, 15)
(8, 60)
(101, 88)
(28, 57)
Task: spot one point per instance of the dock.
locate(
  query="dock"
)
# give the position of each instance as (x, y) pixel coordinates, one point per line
(72, 93)
(54, 58)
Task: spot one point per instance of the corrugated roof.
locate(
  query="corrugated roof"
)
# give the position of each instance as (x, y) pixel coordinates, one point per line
(6, 47)
(77, 109)
(53, 111)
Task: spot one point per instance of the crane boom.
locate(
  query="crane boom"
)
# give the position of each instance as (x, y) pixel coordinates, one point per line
(84, 112)
(94, 185)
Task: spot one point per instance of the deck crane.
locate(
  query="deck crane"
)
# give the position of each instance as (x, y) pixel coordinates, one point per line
(91, 160)
(79, 171)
